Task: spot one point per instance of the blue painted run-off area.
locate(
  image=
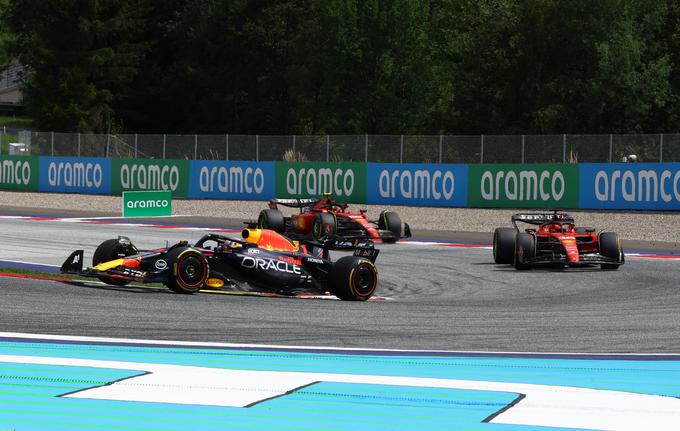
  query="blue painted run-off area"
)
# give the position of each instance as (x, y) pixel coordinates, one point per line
(30, 393)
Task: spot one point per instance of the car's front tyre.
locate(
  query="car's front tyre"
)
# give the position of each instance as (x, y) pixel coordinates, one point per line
(390, 221)
(109, 250)
(610, 246)
(188, 270)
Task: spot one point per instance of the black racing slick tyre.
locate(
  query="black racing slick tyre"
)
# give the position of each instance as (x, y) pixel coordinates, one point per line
(109, 250)
(353, 278)
(392, 222)
(504, 244)
(271, 219)
(525, 249)
(324, 225)
(610, 247)
(188, 270)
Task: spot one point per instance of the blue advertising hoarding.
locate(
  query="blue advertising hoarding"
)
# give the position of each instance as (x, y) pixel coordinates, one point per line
(90, 175)
(231, 180)
(417, 184)
(634, 186)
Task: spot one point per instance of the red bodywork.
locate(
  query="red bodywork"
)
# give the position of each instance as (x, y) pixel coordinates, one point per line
(302, 222)
(566, 234)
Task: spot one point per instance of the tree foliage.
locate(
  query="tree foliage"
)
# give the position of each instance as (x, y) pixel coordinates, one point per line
(350, 66)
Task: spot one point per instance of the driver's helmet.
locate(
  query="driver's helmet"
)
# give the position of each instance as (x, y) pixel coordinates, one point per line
(555, 227)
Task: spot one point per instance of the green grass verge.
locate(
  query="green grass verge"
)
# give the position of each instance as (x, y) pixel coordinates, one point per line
(32, 272)
(22, 271)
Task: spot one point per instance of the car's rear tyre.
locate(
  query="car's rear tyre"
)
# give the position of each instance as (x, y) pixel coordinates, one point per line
(188, 270)
(610, 247)
(109, 250)
(504, 244)
(353, 278)
(324, 226)
(390, 221)
(525, 249)
(271, 219)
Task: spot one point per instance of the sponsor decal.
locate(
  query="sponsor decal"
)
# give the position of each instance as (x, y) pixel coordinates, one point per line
(161, 264)
(15, 172)
(231, 180)
(150, 203)
(652, 186)
(75, 175)
(270, 264)
(142, 175)
(417, 184)
(150, 177)
(133, 272)
(314, 260)
(346, 181)
(147, 204)
(524, 186)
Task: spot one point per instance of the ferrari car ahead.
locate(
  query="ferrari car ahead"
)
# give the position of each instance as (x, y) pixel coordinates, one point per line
(263, 260)
(555, 240)
(326, 217)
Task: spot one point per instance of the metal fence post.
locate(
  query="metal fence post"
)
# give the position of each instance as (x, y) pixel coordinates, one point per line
(257, 148)
(441, 139)
(366, 148)
(164, 139)
(294, 156)
(481, 149)
(564, 148)
(401, 150)
(2, 135)
(522, 148)
(328, 147)
(52, 142)
(611, 147)
(135, 145)
(78, 144)
(226, 147)
(108, 144)
(660, 147)
(195, 147)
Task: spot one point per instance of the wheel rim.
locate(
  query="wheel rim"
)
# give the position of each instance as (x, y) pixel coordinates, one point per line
(191, 271)
(363, 281)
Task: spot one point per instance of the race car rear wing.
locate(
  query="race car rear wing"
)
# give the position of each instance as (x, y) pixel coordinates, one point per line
(292, 203)
(540, 218)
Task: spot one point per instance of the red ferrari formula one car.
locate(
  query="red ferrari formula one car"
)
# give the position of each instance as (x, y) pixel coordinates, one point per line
(555, 240)
(325, 217)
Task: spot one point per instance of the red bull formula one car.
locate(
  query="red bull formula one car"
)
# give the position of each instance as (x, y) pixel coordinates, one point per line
(322, 218)
(263, 260)
(555, 240)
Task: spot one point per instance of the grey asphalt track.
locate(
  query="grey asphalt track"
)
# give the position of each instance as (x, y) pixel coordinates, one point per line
(443, 298)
